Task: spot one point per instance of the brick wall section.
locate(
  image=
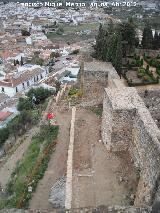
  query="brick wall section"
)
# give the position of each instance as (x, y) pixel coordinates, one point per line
(127, 124)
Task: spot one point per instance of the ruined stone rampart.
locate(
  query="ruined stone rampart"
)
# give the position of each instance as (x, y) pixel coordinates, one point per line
(127, 125)
(95, 76)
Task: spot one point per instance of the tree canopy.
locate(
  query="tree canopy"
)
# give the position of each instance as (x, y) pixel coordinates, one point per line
(113, 42)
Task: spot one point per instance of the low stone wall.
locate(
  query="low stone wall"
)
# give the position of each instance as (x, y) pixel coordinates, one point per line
(127, 124)
(68, 190)
(98, 209)
(151, 53)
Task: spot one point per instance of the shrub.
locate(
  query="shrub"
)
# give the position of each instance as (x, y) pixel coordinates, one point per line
(74, 52)
(31, 169)
(24, 104)
(72, 91)
(40, 93)
(54, 55)
(4, 135)
(140, 75)
(18, 125)
(145, 78)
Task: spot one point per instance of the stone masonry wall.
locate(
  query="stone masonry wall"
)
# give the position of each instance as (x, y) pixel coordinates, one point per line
(94, 77)
(94, 84)
(127, 124)
(146, 139)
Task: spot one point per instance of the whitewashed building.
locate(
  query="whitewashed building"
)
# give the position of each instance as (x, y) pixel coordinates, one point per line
(21, 80)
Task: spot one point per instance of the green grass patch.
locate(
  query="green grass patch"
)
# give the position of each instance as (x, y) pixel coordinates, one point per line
(98, 110)
(70, 32)
(31, 168)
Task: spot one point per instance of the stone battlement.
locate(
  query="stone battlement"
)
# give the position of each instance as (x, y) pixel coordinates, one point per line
(126, 125)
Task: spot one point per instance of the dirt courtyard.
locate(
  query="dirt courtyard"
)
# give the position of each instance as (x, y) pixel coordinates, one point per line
(99, 177)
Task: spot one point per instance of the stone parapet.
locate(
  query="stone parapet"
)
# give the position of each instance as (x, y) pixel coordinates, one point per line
(127, 124)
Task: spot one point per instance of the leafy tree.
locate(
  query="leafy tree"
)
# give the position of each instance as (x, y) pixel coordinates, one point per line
(25, 33)
(14, 127)
(18, 125)
(39, 61)
(24, 104)
(4, 135)
(40, 93)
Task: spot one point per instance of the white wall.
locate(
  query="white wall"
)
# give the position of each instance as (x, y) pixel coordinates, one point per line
(8, 90)
(11, 91)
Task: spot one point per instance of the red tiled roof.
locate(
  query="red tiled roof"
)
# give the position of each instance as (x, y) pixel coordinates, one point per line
(4, 115)
(13, 82)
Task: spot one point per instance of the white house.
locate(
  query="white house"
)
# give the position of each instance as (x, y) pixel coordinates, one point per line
(29, 40)
(22, 79)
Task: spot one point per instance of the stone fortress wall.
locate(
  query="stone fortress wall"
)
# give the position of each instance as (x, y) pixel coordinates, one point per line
(126, 125)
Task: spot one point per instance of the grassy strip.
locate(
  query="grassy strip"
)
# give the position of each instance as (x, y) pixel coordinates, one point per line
(98, 110)
(31, 169)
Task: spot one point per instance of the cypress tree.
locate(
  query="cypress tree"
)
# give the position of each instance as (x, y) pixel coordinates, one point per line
(21, 61)
(105, 47)
(118, 55)
(147, 39)
(99, 42)
(112, 44)
(156, 41)
(128, 33)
